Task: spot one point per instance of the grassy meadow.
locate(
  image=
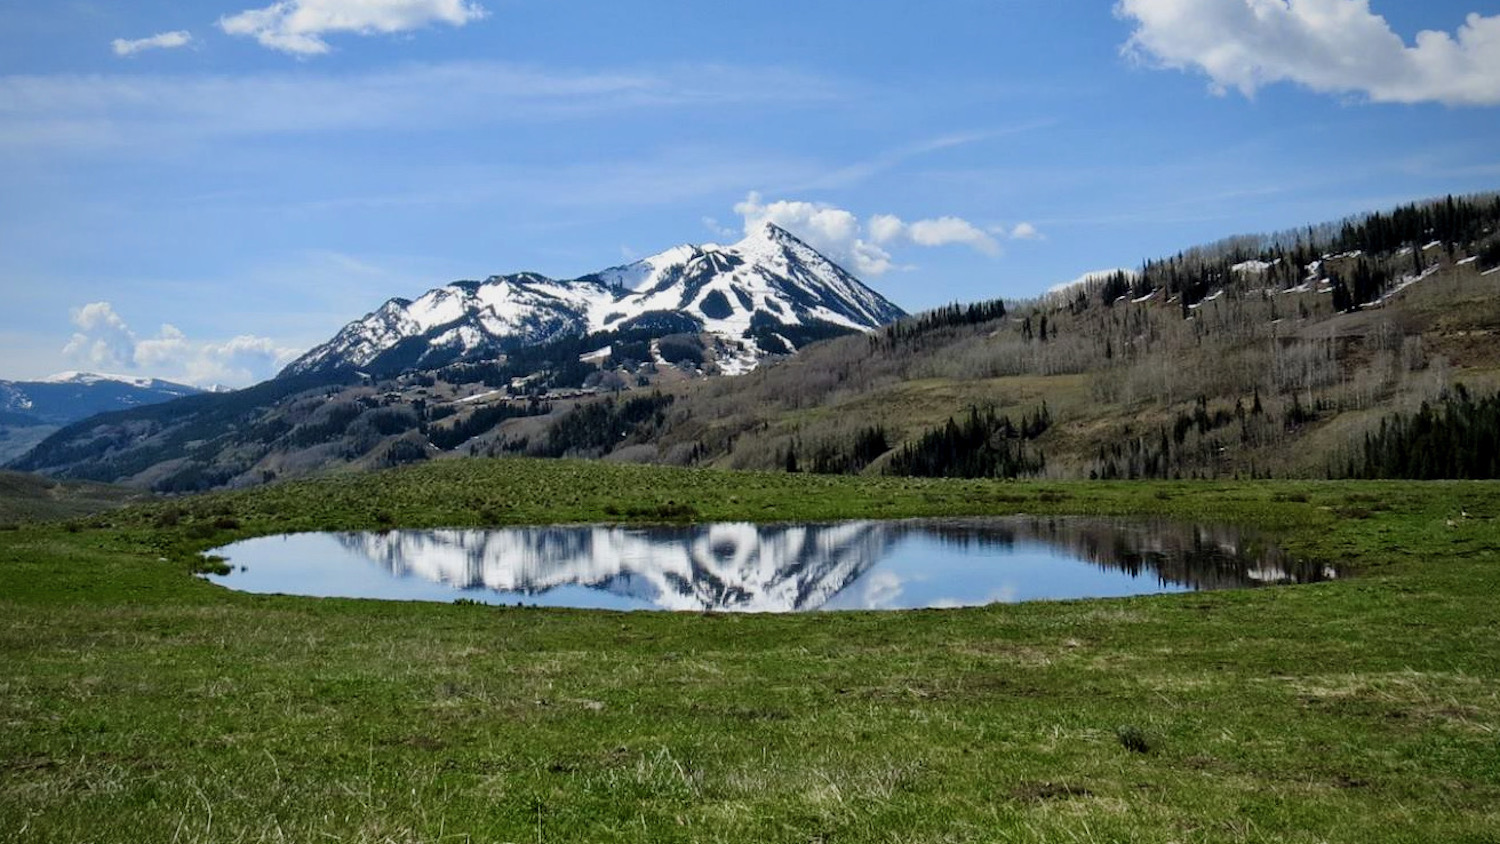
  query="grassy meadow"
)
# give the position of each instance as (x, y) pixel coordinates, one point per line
(139, 703)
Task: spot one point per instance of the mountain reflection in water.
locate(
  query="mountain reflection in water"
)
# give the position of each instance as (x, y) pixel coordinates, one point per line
(710, 567)
(775, 568)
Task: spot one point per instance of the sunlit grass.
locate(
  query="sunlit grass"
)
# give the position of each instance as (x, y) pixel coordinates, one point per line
(140, 704)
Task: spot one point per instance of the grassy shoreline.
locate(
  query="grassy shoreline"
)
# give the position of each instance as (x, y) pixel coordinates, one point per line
(140, 703)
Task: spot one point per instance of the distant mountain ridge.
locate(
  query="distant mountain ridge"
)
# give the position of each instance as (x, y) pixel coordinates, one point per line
(763, 295)
(31, 410)
(69, 396)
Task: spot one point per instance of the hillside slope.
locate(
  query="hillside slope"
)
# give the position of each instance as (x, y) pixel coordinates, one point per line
(1256, 356)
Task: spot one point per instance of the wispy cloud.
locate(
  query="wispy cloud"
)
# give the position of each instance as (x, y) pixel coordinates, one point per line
(1330, 46)
(163, 41)
(298, 26)
(649, 179)
(104, 111)
(861, 171)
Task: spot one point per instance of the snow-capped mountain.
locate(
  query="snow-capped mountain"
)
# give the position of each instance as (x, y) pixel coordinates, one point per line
(762, 295)
(68, 396)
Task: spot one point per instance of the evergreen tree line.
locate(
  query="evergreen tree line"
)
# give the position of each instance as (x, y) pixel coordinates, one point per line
(1115, 285)
(1464, 222)
(1366, 284)
(1459, 220)
(833, 458)
(449, 437)
(1459, 439)
(908, 331)
(983, 444)
(1172, 452)
(596, 428)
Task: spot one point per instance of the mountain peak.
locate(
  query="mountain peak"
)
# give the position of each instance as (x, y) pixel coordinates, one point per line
(767, 232)
(770, 229)
(767, 294)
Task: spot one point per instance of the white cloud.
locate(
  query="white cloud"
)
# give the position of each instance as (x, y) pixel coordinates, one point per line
(240, 360)
(945, 230)
(832, 231)
(719, 230)
(162, 41)
(1025, 231)
(1330, 46)
(298, 26)
(940, 231)
(105, 341)
(839, 234)
(165, 350)
(885, 228)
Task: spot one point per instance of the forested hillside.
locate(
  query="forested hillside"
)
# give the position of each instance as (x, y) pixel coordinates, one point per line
(1255, 356)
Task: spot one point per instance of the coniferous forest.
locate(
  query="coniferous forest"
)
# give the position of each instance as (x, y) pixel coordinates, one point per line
(1455, 437)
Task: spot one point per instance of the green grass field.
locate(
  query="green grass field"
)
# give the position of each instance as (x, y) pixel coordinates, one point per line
(138, 703)
(26, 497)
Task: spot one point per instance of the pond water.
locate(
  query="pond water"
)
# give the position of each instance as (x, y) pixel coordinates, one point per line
(767, 568)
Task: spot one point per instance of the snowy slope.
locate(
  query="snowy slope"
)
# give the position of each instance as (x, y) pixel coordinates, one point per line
(89, 379)
(69, 396)
(768, 280)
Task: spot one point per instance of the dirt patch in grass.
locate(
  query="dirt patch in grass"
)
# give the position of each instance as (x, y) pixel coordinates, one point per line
(1038, 792)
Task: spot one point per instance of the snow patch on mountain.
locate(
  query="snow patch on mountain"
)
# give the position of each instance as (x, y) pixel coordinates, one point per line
(69, 396)
(768, 279)
(92, 378)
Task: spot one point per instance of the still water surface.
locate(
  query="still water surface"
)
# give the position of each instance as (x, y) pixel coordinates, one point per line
(767, 568)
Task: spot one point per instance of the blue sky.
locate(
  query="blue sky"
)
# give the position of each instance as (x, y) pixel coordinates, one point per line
(201, 190)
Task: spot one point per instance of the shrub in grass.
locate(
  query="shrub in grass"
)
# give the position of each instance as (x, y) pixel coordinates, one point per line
(1133, 739)
(211, 564)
